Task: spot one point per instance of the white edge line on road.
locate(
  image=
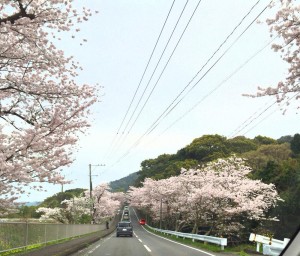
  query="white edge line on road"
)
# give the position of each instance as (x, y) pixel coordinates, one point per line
(147, 248)
(172, 240)
(179, 243)
(102, 240)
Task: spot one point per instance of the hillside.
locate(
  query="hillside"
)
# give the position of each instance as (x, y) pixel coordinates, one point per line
(123, 184)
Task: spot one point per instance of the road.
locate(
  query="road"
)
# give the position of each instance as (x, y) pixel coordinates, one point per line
(143, 243)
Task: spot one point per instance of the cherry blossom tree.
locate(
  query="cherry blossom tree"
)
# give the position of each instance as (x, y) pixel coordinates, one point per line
(218, 195)
(105, 203)
(56, 214)
(42, 107)
(286, 25)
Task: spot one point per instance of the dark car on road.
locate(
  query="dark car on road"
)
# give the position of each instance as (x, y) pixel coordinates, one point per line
(124, 228)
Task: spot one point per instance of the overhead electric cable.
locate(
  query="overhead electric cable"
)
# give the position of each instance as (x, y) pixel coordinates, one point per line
(151, 55)
(155, 125)
(170, 108)
(165, 65)
(162, 54)
(267, 115)
(161, 71)
(218, 86)
(195, 9)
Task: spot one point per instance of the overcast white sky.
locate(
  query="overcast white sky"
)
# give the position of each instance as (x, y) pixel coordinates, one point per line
(120, 39)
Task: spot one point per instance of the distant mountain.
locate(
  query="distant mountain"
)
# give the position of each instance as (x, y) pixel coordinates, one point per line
(31, 203)
(123, 184)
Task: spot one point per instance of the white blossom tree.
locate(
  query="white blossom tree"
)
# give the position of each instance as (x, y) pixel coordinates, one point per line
(42, 108)
(105, 203)
(218, 195)
(286, 25)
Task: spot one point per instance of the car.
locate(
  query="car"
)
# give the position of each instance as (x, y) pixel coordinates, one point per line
(142, 221)
(124, 228)
(125, 217)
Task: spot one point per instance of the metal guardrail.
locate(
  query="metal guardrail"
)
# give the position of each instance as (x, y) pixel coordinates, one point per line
(272, 247)
(210, 239)
(272, 250)
(16, 235)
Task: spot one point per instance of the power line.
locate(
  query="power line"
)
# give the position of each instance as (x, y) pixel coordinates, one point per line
(179, 18)
(169, 109)
(151, 55)
(218, 86)
(178, 41)
(287, 101)
(155, 124)
(143, 93)
(166, 64)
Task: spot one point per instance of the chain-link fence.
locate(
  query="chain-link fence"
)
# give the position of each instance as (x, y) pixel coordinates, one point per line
(17, 235)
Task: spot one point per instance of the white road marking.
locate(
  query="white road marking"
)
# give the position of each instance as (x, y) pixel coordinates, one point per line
(140, 240)
(179, 243)
(102, 241)
(147, 248)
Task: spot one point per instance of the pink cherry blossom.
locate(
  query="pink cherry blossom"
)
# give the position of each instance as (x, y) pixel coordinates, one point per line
(43, 110)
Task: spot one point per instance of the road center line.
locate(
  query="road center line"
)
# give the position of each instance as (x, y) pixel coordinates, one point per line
(147, 248)
(140, 240)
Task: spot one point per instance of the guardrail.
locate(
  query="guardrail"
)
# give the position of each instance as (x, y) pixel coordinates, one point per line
(17, 235)
(210, 239)
(272, 247)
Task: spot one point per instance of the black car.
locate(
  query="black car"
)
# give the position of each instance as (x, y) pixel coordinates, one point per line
(124, 228)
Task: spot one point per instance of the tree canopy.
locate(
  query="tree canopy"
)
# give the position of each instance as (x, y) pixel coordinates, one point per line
(43, 109)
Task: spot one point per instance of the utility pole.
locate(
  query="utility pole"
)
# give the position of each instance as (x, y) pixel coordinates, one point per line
(160, 214)
(91, 187)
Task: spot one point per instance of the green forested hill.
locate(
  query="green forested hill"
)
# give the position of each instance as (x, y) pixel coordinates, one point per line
(123, 184)
(202, 150)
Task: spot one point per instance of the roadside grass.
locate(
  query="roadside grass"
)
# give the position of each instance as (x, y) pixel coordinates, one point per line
(238, 250)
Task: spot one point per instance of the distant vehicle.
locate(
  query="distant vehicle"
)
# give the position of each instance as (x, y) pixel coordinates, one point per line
(126, 207)
(125, 217)
(124, 228)
(142, 221)
(126, 212)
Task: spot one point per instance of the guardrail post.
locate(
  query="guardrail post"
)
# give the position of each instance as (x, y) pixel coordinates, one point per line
(258, 246)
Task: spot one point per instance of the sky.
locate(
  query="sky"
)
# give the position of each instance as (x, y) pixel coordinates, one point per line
(120, 40)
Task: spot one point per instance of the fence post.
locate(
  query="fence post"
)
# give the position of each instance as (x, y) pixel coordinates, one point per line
(27, 233)
(57, 232)
(45, 234)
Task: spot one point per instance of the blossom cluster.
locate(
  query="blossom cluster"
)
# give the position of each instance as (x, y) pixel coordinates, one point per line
(218, 195)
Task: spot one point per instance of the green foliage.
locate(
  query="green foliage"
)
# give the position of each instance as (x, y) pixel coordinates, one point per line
(258, 159)
(55, 200)
(123, 184)
(284, 139)
(207, 148)
(295, 144)
(241, 144)
(263, 140)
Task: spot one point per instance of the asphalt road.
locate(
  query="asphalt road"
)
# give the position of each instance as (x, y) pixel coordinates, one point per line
(141, 244)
